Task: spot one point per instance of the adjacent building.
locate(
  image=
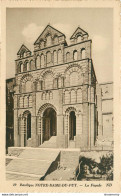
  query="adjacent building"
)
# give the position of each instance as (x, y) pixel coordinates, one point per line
(10, 83)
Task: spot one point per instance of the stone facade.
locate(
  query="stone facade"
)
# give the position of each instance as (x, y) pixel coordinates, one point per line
(105, 108)
(55, 93)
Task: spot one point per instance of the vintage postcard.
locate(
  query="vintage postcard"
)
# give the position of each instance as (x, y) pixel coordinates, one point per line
(60, 87)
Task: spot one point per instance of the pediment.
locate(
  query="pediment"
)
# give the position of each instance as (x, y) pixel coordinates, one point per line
(23, 49)
(49, 30)
(78, 31)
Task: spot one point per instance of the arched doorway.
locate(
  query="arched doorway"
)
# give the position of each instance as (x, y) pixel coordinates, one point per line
(72, 125)
(49, 124)
(27, 127)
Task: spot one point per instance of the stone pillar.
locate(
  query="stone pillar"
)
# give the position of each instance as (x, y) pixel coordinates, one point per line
(79, 139)
(92, 118)
(39, 129)
(59, 124)
(85, 133)
(92, 121)
(61, 138)
(16, 128)
(34, 140)
(23, 131)
(66, 130)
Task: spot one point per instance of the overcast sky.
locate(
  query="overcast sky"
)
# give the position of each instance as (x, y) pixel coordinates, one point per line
(24, 25)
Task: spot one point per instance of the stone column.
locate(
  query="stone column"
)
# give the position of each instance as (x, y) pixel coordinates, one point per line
(85, 133)
(19, 130)
(34, 140)
(92, 118)
(92, 121)
(79, 125)
(16, 128)
(39, 129)
(66, 130)
(23, 131)
(61, 137)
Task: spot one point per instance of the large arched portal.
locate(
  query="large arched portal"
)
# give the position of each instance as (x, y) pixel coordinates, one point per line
(49, 124)
(72, 125)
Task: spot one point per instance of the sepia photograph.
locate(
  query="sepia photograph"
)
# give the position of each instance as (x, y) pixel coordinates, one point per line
(61, 96)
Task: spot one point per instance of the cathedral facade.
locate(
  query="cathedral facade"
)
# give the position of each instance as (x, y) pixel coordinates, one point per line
(55, 92)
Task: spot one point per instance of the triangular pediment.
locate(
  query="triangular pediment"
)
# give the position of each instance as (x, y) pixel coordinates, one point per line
(79, 31)
(23, 49)
(48, 30)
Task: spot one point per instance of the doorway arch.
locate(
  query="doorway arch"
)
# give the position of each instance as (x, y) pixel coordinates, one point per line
(49, 124)
(72, 125)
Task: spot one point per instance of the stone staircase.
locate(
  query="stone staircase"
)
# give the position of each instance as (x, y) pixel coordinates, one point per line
(31, 164)
(51, 143)
(69, 160)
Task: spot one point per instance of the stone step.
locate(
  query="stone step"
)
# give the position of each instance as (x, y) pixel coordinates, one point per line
(51, 143)
(31, 163)
(39, 154)
(61, 175)
(69, 159)
(28, 166)
(19, 176)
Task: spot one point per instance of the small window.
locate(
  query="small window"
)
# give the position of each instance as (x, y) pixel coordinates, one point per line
(49, 40)
(25, 66)
(32, 65)
(48, 58)
(42, 44)
(20, 67)
(38, 62)
(83, 55)
(79, 39)
(59, 56)
(54, 57)
(55, 40)
(75, 55)
(42, 60)
(67, 56)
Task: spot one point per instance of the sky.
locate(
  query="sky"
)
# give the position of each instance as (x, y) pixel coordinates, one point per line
(24, 25)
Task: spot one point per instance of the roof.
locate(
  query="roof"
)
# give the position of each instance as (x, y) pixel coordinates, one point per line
(79, 31)
(45, 31)
(23, 47)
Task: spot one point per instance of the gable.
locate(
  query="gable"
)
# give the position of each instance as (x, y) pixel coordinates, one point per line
(23, 50)
(80, 32)
(49, 30)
